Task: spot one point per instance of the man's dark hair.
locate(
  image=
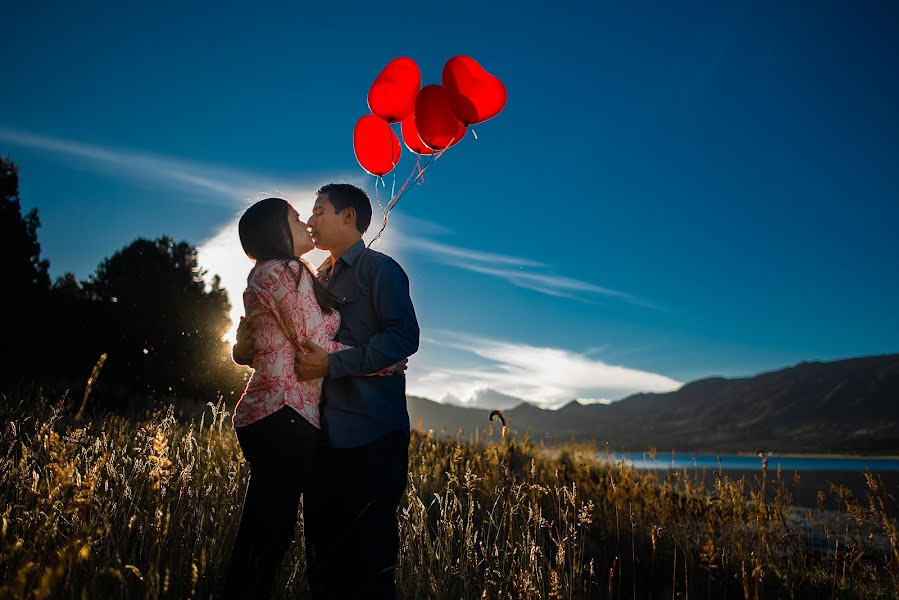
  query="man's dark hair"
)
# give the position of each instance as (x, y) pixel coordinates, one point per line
(343, 195)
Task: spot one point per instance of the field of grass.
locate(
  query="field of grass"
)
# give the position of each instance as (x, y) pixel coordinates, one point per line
(104, 507)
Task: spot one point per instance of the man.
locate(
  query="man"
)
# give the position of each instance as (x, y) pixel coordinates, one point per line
(350, 516)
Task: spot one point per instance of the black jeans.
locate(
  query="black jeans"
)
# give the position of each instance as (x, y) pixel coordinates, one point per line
(282, 450)
(352, 537)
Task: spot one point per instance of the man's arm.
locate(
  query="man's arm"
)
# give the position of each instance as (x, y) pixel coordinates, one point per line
(243, 352)
(399, 337)
(313, 361)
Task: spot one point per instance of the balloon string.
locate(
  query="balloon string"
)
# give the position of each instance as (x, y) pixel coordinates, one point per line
(417, 172)
(474, 133)
(410, 179)
(411, 173)
(378, 194)
(380, 231)
(420, 175)
(421, 171)
(394, 197)
(440, 153)
(394, 158)
(418, 165)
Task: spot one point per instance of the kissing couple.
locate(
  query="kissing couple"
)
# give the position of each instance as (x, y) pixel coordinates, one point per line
(324, 414)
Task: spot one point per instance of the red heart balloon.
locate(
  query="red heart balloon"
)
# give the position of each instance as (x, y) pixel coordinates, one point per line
(436, 122)
(474, 94)
(376, 145)
(392, 95)
(411, 137)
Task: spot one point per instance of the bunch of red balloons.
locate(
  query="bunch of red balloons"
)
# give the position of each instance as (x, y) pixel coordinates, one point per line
(431, 119)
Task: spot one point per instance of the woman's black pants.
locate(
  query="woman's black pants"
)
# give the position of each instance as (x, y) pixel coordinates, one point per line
(282, 451)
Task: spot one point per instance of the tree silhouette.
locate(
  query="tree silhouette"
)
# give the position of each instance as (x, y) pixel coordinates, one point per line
(25, 280)
(164, 328)
(147, 307)
(21, 252)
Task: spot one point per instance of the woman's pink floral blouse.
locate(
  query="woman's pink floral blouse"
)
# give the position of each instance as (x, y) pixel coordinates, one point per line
(284, 314)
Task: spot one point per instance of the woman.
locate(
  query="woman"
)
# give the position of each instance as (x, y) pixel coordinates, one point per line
(277, 417)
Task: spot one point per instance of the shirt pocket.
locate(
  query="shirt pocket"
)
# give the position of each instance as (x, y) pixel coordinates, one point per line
(349, 298)
(355, 314)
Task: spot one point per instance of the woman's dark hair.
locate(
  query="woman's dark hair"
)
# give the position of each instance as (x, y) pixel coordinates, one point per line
(265, 235)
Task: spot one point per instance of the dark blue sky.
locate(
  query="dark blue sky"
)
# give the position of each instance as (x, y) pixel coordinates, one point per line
(727, 170)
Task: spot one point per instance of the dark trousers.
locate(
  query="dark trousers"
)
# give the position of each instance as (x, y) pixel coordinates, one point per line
(282, 450)
(352, 537)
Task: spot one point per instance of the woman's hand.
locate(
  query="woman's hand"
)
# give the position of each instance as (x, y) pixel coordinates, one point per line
(397, 369)
(312, 362)
(300, 361)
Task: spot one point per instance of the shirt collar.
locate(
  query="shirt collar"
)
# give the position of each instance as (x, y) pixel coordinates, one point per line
(349, 257)
(353, 252)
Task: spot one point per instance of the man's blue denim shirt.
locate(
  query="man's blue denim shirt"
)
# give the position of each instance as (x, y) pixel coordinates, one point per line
(378, 319)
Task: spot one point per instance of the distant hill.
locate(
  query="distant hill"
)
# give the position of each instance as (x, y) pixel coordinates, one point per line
(841, 406)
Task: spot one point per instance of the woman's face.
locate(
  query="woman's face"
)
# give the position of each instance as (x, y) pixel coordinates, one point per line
(302, 241)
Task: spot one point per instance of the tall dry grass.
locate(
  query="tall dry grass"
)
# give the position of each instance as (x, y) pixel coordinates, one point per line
(111, 508)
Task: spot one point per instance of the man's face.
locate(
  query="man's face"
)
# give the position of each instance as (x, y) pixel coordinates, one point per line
(325, 224)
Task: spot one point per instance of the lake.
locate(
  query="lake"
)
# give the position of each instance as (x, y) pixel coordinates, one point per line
(749, 462)
(815, 472)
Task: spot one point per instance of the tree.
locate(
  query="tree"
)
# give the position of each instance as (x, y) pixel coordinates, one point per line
(163, 328)
(20, 251)
(147, 307)
(25, 280)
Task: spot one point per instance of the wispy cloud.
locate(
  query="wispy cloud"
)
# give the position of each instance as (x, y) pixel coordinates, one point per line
(222, 184)
(234, 186)
(556, 285)
(460, 256)
(231, 187)
(543, 375)
(221, 254)
(519, 271)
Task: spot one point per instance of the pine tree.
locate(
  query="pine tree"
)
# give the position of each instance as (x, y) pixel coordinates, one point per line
(25, 278)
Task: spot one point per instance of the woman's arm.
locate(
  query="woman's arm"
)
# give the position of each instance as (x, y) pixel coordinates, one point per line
(297, 309)
(335, 346)
(293, 304)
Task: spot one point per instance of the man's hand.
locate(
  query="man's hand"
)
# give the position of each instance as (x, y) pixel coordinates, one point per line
(312, 362)
(244, 351)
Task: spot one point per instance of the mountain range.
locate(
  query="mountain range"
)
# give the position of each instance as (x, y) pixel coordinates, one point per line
(841, 406)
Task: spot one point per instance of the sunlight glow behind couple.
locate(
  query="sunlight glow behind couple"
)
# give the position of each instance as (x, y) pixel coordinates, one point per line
(222, 254)
(450, 366)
